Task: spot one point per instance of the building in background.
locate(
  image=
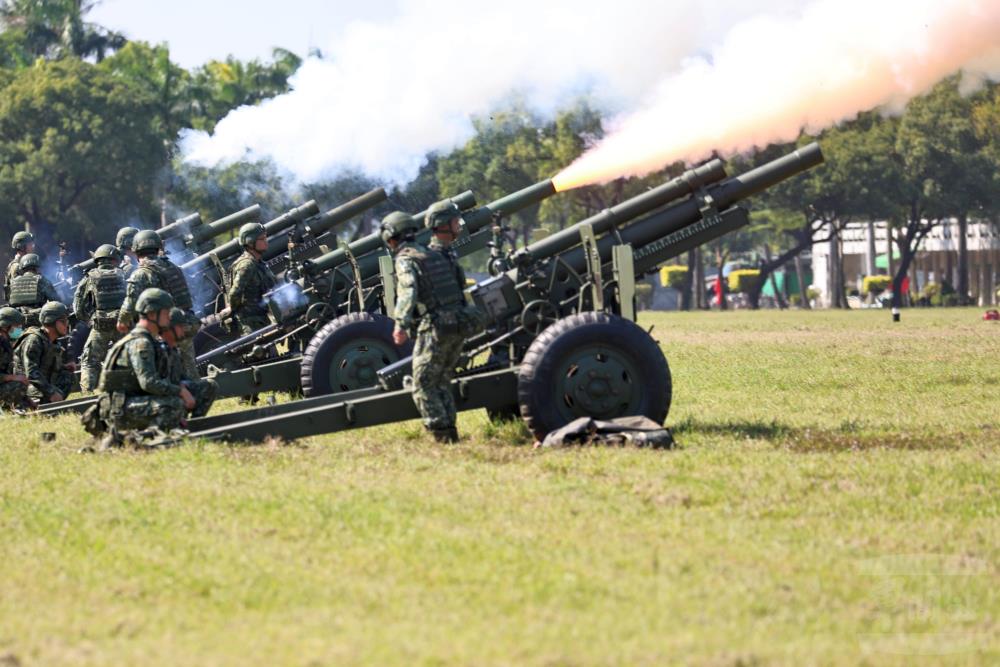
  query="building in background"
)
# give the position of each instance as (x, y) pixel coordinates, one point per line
(863, 247)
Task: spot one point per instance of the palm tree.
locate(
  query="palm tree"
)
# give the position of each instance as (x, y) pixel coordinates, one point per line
(55, 29)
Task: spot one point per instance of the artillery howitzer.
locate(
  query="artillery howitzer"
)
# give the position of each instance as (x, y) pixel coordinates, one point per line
(337, 312)
(562, 342)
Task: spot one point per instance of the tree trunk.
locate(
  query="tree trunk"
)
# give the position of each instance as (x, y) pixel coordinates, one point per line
(963, 260)
(800, 273)
(687, 289)
(699, 279)
(779, 297)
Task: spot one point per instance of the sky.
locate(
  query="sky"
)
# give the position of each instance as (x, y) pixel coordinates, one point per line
(202, 30)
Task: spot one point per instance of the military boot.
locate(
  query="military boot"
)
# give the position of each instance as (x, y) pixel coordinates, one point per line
(446, 435)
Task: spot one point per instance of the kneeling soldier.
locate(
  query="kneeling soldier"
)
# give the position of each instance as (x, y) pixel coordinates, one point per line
(38, 357)
(13, 387)
(136, 391)
(203, 390)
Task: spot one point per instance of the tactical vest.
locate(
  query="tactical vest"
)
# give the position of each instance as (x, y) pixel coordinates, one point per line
(437, 288)
(108, 289)
(26, 291)
(51, 355)
(171, 279)
(118, 375)
(265, 277)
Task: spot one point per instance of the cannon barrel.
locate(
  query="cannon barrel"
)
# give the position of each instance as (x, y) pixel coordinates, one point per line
(231, 248)
(688, 182)
(645, 235)
(181, 227)
(372, 242)
(209, 231)
(327, 221)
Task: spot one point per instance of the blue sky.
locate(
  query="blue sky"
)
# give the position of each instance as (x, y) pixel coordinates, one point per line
(200, 30)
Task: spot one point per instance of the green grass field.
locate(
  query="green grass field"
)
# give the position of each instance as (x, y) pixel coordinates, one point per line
(834, 500)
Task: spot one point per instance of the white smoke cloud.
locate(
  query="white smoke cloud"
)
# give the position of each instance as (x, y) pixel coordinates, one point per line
(389, 92)
(773, 76)
(680, 78)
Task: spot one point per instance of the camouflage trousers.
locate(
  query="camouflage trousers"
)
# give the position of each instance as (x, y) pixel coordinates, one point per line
(12, 394)
(186, 347)
(435, 356)
(251, 323)
(94, 350)
(204, 392)
(141, 412)
(62, 382)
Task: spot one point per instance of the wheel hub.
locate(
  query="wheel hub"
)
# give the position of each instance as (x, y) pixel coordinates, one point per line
(598, 383)
(356, 366)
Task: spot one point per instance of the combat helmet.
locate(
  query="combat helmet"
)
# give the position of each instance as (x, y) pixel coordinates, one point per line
(178, 318)
(52, 312)
(153, 300)
(124, 238)
(440, 213)
(29, 261)
(107, 253)
(20, 240)
(397, 225)
(147, 239)
(250, 232)
(11, 317)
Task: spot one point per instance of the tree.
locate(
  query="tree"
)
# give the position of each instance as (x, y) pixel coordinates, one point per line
(79, 150)
(53, 29)
(216, 192)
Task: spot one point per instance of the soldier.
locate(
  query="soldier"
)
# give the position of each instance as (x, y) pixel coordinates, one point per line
(38, 357)
(136, 390)
(204, 391)
(98, 297)
(124, 242)
(431, 308)
(13, 387)
(30, 290)
(22, 244)
(156, 270)
(249, 280)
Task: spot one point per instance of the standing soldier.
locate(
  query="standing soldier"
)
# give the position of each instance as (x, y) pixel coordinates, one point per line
(136, 391)
(124, 242)
(431, 307)
(30, 290)
(249, 280)
(38, 357)
(98, 297)
(13, 387)
(155, 270)
(22, 244)
(203, 390)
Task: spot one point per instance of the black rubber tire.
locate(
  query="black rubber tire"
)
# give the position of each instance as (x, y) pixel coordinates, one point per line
(333, 337)
(539, 380)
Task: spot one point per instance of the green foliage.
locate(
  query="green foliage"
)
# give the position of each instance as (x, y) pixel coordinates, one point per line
(743, 280)
(79, 147)
(219, 191)
(876, 284)
(644, 294)
(673, 276)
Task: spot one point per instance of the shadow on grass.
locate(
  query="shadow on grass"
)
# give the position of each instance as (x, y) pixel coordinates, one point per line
(848, 437)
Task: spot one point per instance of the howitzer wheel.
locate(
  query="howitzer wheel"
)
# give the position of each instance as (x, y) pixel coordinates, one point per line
(592, 365)
(346, 354)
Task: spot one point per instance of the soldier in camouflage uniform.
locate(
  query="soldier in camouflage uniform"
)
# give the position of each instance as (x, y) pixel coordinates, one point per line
(136, 390)
(38, 357)
(30, 290)
(156, 270)
(22, 244)
(13, 387)
(124, 243)
(249, 280)
(98, 297)
(431, 308)
(203, 390)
